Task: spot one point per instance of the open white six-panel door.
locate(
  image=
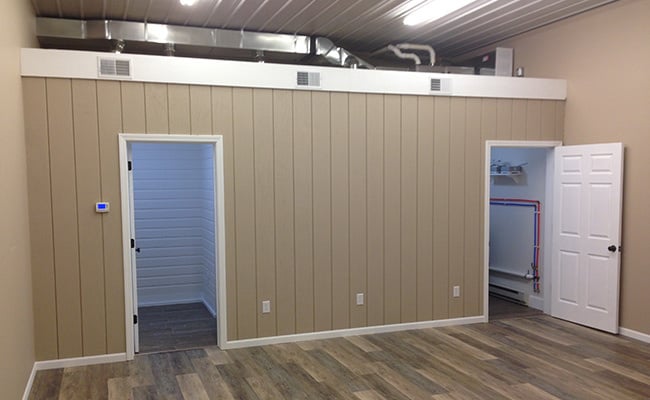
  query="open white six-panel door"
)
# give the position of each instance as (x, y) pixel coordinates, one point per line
(587, 234)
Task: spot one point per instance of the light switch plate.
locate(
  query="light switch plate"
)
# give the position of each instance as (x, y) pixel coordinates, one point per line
(266, 306)
(456, 291)
(359, 299)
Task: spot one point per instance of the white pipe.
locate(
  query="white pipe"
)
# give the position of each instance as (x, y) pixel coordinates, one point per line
(403, 55)
(526, 275)
(423, 47)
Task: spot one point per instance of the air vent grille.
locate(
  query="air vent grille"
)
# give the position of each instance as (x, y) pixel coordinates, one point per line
(311, 79)
(114, 68)
(436, 85)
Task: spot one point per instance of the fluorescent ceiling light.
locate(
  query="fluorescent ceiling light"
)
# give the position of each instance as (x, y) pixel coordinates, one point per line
(433, 10)
(188, 2)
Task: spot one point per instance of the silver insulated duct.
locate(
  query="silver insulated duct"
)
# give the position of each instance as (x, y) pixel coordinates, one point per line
(141, 37)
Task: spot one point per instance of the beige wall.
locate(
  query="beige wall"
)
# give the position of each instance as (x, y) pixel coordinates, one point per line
(327, 195)
(17, 333)
(605, 57)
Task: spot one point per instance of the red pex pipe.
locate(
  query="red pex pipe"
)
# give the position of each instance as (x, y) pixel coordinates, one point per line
(538, 207)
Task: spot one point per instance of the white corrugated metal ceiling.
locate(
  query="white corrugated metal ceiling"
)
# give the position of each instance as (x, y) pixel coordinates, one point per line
(359, 25)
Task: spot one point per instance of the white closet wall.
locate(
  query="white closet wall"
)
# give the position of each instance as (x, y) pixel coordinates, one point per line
(174, 214)
(511, 227)
(208, 236)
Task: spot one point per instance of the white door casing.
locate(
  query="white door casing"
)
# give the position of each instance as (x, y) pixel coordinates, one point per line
(134, 270)
(587, 211)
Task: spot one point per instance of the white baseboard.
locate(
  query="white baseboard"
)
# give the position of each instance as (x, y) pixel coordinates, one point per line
(209, 307)
(644, 337)
(301, 337)
(30, 382)
(168, 302)
(79, 361)
(536, 302)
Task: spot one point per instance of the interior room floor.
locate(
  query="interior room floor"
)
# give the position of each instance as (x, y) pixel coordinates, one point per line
(537, 357)
(176, 327)
(500, 308)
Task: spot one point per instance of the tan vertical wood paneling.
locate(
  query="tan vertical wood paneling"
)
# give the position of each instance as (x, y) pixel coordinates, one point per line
(548, 120)
(247, 304)
(375, 209)
(340, 211)
(441, 288)
(392, 209)
(40, 219)
(327, 195)
(133, 107)
(519, 111)
(109, 112)
(284, 208)
(489, 132)
(156, 108)
(559, 120)
(222, 120)
(424, 283)
(533, 120)
(457, 204)
(64, 216)
(322, 180)
(358, 233)
(473, 203)
(201, 110)
(264, 207)
(504, 119)
(86, 138)
(179, 109)
(303, 213)
(409, 207)
(489, 125)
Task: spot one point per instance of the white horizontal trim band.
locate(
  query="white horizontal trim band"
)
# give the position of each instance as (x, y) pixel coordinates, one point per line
(302, 337)
(195, 71)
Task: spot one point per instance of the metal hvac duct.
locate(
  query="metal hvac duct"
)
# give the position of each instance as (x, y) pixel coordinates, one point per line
(172, 35)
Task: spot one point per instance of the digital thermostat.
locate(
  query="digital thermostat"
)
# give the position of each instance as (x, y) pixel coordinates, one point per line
(102, 207)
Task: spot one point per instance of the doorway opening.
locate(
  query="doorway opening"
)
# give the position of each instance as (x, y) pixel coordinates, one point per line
(172, 197)
(519, 179)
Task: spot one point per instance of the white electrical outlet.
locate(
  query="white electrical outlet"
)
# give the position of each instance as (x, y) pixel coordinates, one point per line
(266, 306)
(359, 299)
(456, 291)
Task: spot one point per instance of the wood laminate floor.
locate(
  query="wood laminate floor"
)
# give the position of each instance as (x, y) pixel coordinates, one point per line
(536, 357)
(176, 327)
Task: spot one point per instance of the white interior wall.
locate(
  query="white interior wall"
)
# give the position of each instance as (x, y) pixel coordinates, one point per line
(173, 198)
(207, 224)
(511, 227)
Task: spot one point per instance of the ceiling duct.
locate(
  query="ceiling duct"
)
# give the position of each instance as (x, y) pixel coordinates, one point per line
(79, 34)
(337, 55)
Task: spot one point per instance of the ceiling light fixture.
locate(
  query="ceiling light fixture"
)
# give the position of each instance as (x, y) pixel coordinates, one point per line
(434, 10)
(188, 3)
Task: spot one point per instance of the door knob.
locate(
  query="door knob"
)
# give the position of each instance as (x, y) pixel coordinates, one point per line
(612, 248)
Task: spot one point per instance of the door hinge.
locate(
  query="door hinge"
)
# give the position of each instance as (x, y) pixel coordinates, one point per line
(133, 243)
(135, 319)
(130, 166)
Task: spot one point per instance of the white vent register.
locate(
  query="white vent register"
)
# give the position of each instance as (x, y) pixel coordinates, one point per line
(307, 79)
(114, 68)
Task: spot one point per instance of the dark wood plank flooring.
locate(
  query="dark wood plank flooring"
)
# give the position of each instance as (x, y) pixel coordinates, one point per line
(500, 308)
(176, 327)
(537, 357)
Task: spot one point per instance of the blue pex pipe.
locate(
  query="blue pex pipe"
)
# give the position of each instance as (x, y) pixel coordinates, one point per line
(500, 203)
